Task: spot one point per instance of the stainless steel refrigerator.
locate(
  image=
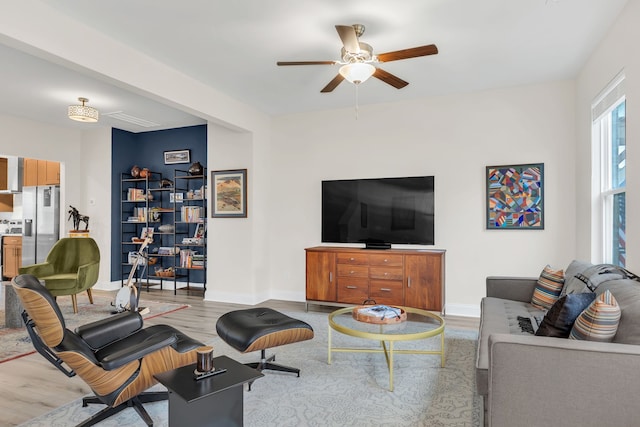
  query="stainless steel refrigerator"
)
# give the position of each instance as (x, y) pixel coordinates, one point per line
(40, 222)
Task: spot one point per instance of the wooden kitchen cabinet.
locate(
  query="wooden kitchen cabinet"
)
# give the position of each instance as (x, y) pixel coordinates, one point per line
(52, 173)
(6, 202)
(30, 172)
(11, 256)
(40, 172)
(4, 168)
(411, 278)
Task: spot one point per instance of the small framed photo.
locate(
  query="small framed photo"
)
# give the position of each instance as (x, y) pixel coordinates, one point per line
(177, 156)
(229, 198)
(146, 232)
(200, 231)
(175, 197)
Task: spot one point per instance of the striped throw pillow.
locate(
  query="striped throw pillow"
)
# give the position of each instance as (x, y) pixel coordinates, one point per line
(548, 288)
(599, 321)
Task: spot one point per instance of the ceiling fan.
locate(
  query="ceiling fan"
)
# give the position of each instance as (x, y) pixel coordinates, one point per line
(358, 62)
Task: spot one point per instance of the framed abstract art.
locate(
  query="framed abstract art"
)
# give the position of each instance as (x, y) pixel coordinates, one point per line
(515, 197)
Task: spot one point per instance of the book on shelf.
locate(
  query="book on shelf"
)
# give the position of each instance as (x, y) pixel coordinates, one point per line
(197, 260)
(166, 250)
(186, 258)
(191, 213)
(135, 194)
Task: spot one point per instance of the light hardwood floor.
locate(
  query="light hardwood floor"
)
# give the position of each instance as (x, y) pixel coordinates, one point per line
(30, 386)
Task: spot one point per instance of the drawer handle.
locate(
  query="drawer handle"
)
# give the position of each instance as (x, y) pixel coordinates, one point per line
(351, 272)
(351, 259)
(352, 287)
(386, 260)
(385, 289)
(386, 274)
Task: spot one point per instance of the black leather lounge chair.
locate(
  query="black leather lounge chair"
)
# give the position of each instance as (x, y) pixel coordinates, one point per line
(116, 356)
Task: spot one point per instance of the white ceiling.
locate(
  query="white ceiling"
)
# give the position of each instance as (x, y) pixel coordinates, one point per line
(233, 46)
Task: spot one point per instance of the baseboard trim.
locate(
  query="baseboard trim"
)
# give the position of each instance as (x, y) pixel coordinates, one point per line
(463, 310)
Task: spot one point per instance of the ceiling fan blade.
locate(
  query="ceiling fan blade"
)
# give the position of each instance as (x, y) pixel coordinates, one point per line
(333, 84)
(349, 38)
(414, 52)
(389, 78)
(305, 62)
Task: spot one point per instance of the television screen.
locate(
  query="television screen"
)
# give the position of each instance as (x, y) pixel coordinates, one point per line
(379, 212)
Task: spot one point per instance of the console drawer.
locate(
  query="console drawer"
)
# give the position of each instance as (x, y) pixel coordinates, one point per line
(352, 258)
(386, 273)
(353, 290)
(345, 270)
(386, 292)
(388, 260)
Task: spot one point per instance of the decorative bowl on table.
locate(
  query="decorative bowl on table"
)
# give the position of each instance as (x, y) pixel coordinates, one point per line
(379, 314)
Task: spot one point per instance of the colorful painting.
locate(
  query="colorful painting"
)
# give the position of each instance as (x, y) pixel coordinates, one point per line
(515, 197)
(229, 194)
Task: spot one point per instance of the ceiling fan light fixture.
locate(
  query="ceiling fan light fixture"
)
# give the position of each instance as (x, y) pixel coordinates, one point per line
(357, 72)
(83, 113)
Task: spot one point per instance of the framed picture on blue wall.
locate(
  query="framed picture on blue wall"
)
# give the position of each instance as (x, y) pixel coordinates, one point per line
(177, 156)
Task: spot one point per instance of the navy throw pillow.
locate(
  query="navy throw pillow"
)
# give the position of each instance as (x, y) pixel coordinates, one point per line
(563, 313)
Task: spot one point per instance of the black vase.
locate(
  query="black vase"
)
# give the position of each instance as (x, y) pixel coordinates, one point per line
(196, 169)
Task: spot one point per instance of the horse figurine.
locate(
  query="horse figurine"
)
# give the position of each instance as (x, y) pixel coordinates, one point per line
(78, 218)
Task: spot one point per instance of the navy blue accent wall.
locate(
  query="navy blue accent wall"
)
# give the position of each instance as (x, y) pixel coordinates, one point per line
(146, 149)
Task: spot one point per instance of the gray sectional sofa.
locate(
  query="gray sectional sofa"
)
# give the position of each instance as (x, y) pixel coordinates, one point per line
(529, 380)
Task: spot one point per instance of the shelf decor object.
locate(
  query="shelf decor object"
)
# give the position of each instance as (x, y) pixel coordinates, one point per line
(177, 156)
(515, 197)
(229, 199)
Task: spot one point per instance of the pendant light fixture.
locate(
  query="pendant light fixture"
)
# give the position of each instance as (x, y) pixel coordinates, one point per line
(83, 113)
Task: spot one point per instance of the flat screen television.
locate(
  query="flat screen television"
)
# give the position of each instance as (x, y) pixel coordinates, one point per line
(379, 212)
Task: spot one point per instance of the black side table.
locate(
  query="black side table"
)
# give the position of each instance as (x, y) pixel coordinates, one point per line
(212, 401)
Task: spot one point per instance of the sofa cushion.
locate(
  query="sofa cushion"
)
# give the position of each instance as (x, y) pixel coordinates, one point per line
(627, 295)
(560, 318)
(593, 276)
(599, 321)
(574, 268)
(548, 288)
(499, 316)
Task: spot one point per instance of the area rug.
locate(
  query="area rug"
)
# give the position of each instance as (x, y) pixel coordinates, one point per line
(15, 342)
(352, 391)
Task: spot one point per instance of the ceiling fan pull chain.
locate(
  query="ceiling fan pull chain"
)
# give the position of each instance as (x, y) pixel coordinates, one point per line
(357, 107)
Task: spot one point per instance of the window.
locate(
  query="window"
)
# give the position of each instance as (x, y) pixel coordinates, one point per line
(609, 141)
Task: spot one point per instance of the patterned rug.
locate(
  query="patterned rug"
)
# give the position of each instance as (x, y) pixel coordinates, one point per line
(352, 391)
(15, 342)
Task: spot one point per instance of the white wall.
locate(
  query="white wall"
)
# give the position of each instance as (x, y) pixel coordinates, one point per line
(617, 51)
(95, 196)
(453, 138)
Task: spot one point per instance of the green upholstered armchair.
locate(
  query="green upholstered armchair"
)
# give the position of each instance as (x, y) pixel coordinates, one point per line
(71, 267)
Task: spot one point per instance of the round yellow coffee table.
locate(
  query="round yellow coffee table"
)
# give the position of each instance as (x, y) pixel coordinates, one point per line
(420, 324)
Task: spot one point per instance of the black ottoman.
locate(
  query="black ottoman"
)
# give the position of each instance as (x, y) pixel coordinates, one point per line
(259, 329)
